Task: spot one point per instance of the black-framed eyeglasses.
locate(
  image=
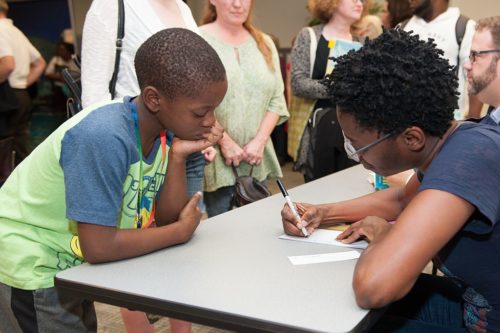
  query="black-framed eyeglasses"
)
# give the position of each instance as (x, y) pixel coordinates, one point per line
(474, 54)
(354, 154)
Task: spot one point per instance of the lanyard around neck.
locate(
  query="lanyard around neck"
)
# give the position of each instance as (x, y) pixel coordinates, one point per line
(139, 223)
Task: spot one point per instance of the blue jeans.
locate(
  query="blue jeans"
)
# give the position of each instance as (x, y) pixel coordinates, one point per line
(219, 201)
(433, 305)
(195, 169)
(44, 310)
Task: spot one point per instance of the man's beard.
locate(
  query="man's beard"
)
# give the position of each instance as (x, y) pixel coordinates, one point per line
(424, 10)
(482, 81)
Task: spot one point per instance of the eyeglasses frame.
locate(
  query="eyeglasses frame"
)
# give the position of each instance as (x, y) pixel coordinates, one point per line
(354, 155)
(473, 54)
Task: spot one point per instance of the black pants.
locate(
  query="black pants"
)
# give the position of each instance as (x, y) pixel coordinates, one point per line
(329, 153)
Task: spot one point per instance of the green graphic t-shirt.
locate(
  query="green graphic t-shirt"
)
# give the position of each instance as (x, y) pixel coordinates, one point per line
(86, 171)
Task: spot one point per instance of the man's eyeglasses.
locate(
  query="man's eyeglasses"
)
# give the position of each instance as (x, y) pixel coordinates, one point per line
(354, 154)
(474, 54)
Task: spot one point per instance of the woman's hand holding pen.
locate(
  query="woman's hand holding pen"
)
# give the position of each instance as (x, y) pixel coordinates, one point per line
(311, 217)
(371, 228)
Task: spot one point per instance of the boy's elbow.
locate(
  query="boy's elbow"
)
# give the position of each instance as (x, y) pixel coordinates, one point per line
(94, 257)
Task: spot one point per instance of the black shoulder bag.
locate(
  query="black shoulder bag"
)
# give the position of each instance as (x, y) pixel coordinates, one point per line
(120, 33)
(247, 189)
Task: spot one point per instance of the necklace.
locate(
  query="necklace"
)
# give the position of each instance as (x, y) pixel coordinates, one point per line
(142, 218)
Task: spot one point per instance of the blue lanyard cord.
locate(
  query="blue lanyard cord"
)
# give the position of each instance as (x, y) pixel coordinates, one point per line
(139, 223)
(135, 117)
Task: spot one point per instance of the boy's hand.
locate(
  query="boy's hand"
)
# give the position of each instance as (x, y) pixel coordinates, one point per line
(184, 148)
(189, 218)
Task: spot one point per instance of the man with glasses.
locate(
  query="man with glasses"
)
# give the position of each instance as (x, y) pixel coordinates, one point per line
(395, 109)
(483, 67)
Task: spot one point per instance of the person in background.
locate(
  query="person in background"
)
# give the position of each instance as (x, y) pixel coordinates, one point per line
(483, 66)
(253, 106)
(21, 64)
(99, 193)
(62, 60)
(394, 12)
(142, 19)
(310, 63)
(394, 120)
(435, 19)
(369, 26)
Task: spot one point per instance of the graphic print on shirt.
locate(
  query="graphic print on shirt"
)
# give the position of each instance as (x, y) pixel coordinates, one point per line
(151, 182)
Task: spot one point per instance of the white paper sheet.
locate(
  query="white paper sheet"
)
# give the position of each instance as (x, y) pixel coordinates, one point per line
(323, 236)
(324, 257)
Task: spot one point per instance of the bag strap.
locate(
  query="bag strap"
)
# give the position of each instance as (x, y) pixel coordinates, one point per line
(120, 33)
(401, 25)
(312, 50)
(235, 171)
(460, 28)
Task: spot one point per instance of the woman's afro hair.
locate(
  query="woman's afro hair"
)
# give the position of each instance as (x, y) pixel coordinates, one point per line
(396, 81)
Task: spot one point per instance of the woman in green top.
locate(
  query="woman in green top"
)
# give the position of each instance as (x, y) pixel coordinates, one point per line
(254, 103)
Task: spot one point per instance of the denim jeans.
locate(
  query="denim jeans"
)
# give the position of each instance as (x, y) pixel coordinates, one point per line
(433, 305)
(195, 169)
(44, 310)
(219, 201)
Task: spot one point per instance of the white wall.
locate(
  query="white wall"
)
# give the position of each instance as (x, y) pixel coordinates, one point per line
(284, 18)
(77, 11)
(477, 9)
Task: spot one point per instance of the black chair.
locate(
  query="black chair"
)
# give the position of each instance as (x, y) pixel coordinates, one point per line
(74, 102)
(72, 79)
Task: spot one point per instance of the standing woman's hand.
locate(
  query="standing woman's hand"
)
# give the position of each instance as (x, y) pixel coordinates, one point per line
(231, 151)
(254, 151)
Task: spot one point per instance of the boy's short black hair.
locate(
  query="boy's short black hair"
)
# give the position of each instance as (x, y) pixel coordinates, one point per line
(177, 62)
(396, 81)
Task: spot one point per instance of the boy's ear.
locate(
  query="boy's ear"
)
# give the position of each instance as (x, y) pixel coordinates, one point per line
(414, 138)
(151, 98)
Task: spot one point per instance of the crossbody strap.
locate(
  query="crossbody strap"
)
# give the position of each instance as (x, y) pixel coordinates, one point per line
(120, 33)
(312, 50)
(460, 28)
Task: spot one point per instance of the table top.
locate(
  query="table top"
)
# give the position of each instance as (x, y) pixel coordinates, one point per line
(235, 272)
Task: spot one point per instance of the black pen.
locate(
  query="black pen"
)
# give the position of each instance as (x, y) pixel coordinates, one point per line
(292, 206)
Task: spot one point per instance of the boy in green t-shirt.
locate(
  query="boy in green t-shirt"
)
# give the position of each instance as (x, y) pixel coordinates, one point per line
(91, 190)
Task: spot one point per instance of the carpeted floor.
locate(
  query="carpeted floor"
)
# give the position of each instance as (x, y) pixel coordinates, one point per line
(110, 321)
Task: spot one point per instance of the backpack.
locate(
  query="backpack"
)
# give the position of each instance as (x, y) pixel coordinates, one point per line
(73, 78)
(460, 27)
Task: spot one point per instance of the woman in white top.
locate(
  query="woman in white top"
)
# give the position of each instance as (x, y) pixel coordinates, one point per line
(142, 19)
